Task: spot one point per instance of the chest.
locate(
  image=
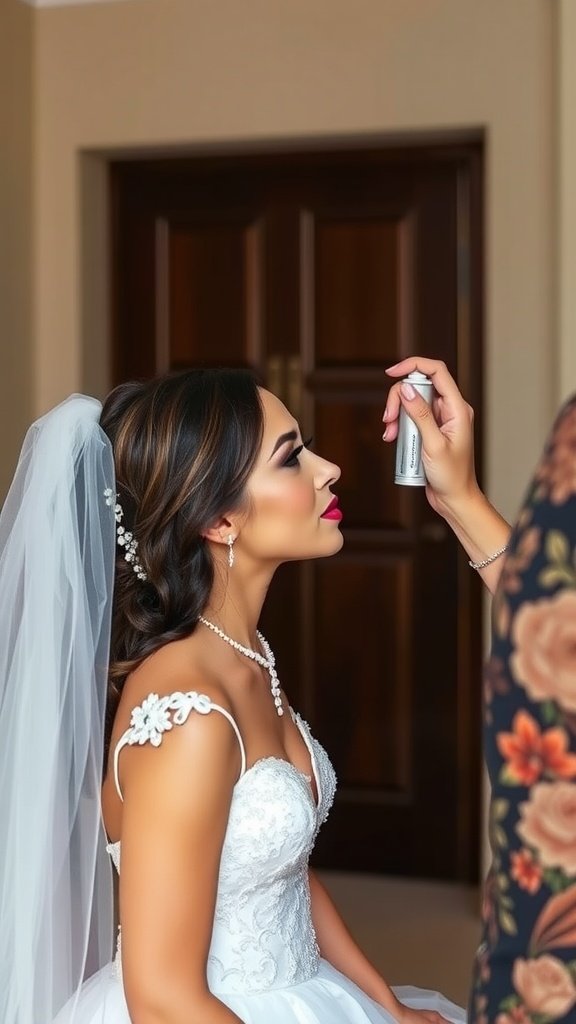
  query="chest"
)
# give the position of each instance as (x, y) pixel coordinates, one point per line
(275, 815)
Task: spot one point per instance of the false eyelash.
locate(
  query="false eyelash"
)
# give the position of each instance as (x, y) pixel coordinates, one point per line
(292, 459)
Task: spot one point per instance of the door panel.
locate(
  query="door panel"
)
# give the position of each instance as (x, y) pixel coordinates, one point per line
(356, 289)
(366, 258)
(369, 723)
(211, 275)
(318, 270)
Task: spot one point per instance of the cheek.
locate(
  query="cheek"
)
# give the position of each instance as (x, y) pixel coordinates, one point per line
(292, 498)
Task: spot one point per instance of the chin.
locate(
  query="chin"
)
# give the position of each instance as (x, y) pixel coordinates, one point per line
(328, 548)
(338, 542)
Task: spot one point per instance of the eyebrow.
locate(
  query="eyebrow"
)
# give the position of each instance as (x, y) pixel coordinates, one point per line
(290, 436)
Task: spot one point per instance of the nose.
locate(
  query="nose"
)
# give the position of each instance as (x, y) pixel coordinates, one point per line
(327, 473)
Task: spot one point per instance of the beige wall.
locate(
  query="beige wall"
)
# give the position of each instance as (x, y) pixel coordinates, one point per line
(16, 129)
(566, 280)
(188, 72)
(165, 73)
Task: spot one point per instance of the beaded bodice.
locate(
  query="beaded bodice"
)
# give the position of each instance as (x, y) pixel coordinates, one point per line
(263, 936)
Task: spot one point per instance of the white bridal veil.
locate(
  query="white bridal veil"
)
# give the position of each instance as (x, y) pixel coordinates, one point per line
(57, 542)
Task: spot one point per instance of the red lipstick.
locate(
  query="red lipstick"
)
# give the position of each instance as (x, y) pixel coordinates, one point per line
(332, 511)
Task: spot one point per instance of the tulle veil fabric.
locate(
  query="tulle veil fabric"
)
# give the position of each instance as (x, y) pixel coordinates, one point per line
(57, 549)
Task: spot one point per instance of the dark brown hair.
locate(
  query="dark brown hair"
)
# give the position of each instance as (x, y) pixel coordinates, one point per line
(184, 446)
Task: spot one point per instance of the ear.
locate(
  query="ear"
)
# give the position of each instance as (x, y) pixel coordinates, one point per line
(220, 531)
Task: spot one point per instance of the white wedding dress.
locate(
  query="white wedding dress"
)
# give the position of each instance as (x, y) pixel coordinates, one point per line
(264, 961)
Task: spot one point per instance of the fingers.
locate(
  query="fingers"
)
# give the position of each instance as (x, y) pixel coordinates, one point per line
(443, 381)
(421, 413)
(391, 413)
(394, 403)
(448, 403)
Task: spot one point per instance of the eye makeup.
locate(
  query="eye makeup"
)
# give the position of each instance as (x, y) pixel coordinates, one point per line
(292, 459)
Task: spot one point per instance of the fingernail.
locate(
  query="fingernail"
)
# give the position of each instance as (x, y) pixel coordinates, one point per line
(384, 434)
(408, 391)
(385, 416)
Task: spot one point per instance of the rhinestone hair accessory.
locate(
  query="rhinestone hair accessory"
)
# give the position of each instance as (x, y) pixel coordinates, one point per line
(124, 538)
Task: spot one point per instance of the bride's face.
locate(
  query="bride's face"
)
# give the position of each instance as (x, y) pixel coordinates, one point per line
(289, 490)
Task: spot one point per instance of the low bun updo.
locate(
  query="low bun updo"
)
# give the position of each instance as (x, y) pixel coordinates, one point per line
(184, 447)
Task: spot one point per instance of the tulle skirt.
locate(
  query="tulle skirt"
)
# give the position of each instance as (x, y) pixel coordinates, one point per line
(327, 998)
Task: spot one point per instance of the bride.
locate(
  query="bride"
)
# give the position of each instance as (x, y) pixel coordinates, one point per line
(180, 497)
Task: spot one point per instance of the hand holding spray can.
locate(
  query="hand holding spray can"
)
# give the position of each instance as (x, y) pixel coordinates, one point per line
(409, 469)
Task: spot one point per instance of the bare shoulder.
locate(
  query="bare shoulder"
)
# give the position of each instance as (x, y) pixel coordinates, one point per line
(173, 707)
(175, 668)
(177, 794)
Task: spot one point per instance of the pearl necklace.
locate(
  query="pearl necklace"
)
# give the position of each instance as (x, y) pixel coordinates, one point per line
(267, 662)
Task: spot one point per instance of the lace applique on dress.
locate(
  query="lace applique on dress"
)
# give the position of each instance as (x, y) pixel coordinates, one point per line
(322, 767)
(157, 715)
(152, 718)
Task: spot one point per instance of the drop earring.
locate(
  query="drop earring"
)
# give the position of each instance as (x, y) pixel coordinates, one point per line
(230, 550)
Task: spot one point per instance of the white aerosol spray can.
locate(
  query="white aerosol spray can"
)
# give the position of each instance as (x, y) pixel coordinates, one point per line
(409, 469)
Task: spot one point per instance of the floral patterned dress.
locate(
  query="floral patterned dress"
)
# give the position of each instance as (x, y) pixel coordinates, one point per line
(525, 971)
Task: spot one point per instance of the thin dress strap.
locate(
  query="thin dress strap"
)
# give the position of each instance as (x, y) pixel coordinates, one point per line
(157, 715)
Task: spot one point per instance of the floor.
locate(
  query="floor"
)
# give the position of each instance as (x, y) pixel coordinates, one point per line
(415, 932)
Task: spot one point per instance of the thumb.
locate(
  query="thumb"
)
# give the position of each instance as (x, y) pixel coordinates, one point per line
(421, 413)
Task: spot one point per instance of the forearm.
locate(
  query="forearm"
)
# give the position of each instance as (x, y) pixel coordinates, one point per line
(338, 947)
(481, 530)
(169, 1009)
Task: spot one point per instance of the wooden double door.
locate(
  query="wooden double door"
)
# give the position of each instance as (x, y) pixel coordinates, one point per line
(318, 270)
